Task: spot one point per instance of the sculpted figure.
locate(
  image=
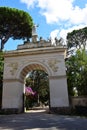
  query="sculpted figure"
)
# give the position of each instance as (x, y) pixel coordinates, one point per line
(34, 30)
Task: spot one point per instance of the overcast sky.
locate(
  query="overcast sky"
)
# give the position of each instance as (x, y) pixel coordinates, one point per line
(55, 17)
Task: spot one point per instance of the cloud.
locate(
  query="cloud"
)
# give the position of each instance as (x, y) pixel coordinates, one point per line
(29, 3)
(63, 32)
(59, 10)
(54, 34)
(78, 15)
(56, 11)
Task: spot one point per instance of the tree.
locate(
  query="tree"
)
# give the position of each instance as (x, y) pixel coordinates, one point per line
(77, 38)
(38, 81)
(77, 73)
(15, 24)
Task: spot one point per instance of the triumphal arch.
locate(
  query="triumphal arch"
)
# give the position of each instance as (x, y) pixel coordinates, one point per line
(36, 54)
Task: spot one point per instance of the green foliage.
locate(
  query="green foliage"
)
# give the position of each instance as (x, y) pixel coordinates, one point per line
(14, 23)
(38, 81)
(77, 38)
(77, 73)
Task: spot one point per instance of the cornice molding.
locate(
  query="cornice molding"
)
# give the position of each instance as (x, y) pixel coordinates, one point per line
(34, 51)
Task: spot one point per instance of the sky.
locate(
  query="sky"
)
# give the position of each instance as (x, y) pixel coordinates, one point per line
(55, 17)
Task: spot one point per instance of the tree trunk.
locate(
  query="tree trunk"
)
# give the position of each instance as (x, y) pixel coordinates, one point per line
(38, 99)
(2, 45)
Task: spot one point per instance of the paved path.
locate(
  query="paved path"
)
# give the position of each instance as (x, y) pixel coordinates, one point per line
(41, 121)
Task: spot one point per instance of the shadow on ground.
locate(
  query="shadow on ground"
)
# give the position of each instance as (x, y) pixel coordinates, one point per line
(41, 120)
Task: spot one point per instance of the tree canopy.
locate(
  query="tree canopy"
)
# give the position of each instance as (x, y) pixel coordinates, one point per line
(15, 24)
(76, 61)
(77, 38)
(77, 73)
(39, 82)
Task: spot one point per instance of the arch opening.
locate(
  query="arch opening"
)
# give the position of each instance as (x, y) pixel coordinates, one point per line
(31, 67)
(36, 78)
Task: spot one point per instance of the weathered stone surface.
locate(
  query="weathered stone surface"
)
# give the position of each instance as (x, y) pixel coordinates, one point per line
(17, 65)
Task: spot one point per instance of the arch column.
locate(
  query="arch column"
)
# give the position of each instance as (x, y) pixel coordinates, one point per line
(12, 100)
(58, 94)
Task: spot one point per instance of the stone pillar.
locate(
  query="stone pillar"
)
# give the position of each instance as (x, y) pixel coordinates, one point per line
(12, 100)
(58, 98)
(59, 102)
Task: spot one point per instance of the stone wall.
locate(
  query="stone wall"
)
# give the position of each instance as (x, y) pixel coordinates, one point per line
(79, 101)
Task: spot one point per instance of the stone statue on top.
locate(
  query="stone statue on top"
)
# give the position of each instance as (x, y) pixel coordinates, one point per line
(34, 33)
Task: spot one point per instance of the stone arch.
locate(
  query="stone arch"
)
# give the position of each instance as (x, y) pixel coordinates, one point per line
(32, 66)
(26, 68)
(17, 65)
